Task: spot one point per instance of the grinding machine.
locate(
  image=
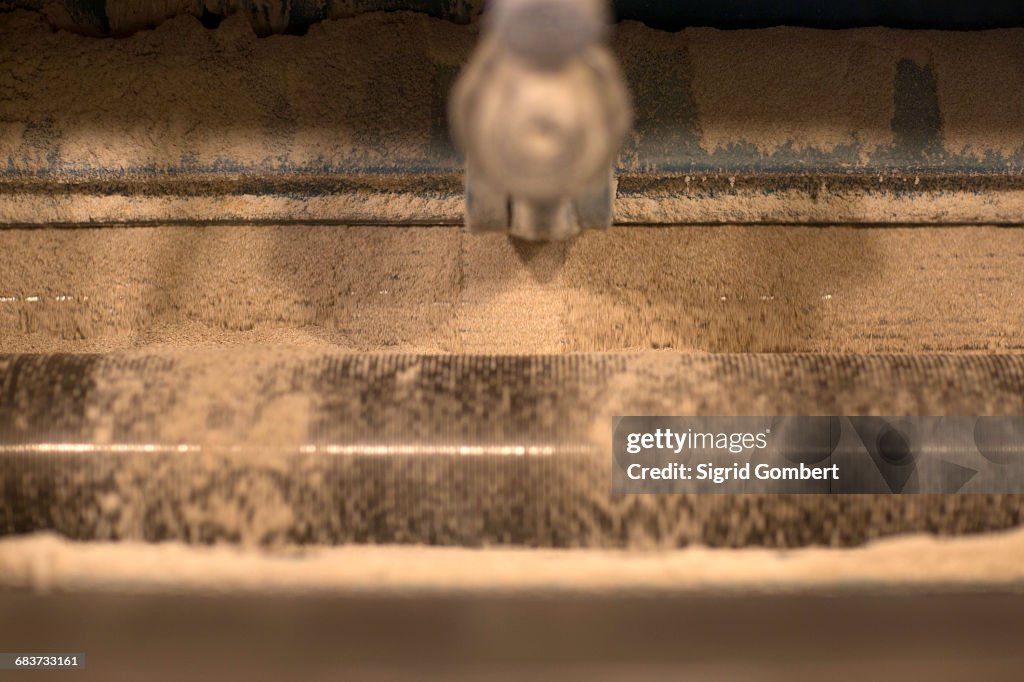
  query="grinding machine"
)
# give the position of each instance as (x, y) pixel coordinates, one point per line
(318, 319)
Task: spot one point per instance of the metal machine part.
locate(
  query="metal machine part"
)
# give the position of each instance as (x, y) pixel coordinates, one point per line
(243, 341)
(540, 113)
(327, 448)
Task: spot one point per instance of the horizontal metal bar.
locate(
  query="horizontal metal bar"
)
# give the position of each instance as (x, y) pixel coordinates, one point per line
(810, 198)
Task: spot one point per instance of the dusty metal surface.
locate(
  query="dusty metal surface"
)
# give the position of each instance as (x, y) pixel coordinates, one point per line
(275, 447)
(347, 123)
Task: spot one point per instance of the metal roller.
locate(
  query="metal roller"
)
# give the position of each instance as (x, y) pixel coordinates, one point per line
(331, 448)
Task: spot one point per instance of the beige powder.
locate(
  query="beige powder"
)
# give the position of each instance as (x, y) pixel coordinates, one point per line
(368, 92)
(720, 289)
(46, 563)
